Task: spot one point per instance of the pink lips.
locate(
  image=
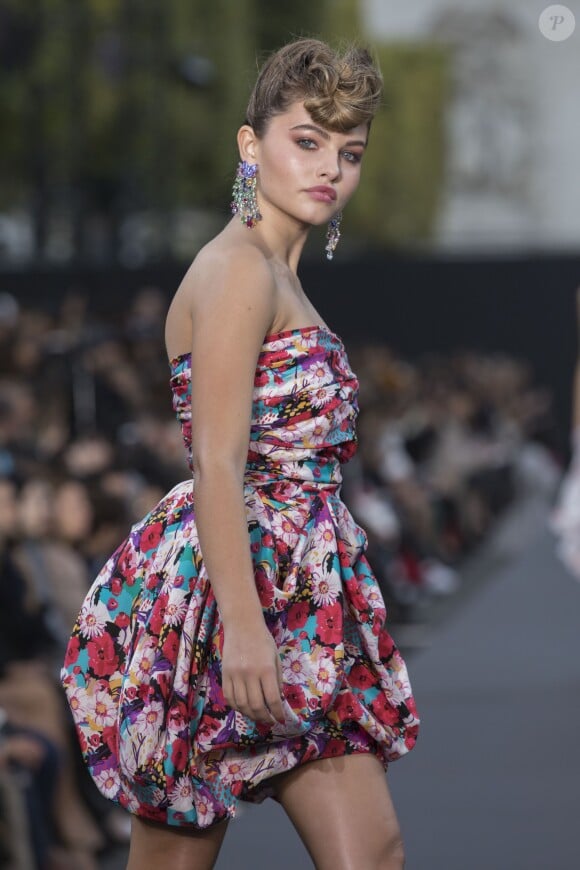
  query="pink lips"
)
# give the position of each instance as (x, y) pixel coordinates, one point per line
(322, 193)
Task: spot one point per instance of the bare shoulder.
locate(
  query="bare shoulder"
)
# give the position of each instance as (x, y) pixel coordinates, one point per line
(228, 273)
(228, 295)
(227, 286)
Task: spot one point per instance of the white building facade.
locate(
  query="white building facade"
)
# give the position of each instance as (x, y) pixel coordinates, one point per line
(512, 178)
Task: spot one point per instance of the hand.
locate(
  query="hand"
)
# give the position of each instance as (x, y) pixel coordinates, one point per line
(252, 673)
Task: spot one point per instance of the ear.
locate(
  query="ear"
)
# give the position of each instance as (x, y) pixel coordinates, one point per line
(248, 143)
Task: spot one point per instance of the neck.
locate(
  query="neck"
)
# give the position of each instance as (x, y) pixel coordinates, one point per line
(280, 236)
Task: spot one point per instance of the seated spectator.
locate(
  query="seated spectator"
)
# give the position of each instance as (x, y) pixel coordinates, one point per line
(30, 696)
(89, 443)
(28, 777)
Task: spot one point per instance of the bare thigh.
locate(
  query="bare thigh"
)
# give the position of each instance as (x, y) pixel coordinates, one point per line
(154, 846)
(343, 812)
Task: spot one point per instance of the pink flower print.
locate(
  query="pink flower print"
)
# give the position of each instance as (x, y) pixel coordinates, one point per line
(295, 696)
(181, 795)
(150, 537)
(329, 624)
(72, 652)
(103, 710)
(93, 619)
(175, 612)
(297, 615)
(361, 677)
(326, 675)
(205, 812)
(108, 783)
(294, 667)
(325, 590)
(144, 664)
(103, 659)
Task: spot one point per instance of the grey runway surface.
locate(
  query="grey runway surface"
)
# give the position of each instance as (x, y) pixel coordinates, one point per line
(494, 779)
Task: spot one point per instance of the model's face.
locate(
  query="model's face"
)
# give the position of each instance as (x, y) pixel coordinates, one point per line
(306, 171)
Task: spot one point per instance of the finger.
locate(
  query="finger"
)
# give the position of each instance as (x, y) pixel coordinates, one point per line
(257, 703)
(246, 705)
(228, 691)
(271, 693)
(240, 696)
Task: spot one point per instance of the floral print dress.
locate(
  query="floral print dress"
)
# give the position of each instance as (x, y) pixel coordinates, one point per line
(142, 672)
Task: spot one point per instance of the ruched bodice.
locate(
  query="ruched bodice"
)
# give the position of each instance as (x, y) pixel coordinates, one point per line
(143, 666)
(304, 406)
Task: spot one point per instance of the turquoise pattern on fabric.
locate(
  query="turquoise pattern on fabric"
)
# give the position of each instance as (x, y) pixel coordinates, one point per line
(142, 672)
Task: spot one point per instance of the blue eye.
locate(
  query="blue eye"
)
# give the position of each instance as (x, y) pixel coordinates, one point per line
(307, 144)
(352, 157)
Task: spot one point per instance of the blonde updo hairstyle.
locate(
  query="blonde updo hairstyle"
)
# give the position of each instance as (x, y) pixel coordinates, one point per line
(340, 88)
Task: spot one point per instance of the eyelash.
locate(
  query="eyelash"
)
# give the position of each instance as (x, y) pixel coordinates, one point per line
(351, 158)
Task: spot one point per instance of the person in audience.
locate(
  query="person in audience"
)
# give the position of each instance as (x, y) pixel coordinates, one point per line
(565, 518)
(437, 462)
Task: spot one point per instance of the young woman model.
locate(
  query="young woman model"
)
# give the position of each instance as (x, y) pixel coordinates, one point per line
(262, 667)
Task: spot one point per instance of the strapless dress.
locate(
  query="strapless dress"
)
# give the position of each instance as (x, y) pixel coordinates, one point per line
(142, 672)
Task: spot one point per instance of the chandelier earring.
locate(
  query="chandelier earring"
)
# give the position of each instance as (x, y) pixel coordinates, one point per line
(244, 201)
(333, 235)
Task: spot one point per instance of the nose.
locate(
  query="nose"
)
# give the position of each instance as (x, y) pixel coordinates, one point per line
(329, 167)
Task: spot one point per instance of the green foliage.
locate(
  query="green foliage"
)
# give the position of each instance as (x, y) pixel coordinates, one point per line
(402, 174)
(277, 22)
(397, 201)
(99, 109)
(111, 108)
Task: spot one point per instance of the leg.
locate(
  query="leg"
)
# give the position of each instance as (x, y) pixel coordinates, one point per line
(154, 846)
(343, 812)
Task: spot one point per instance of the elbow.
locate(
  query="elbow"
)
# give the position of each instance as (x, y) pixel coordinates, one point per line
(218, 465)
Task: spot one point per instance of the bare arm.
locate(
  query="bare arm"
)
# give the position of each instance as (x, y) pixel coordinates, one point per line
(228, 329)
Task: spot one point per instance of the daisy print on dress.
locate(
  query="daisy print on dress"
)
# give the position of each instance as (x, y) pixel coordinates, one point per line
(143, 666)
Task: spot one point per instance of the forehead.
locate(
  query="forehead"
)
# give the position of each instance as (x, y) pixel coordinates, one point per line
(296, 115)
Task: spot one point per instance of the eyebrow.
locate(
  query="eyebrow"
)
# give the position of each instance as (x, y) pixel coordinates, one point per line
(326, 135)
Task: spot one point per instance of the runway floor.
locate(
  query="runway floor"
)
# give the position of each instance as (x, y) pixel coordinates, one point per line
(494, 781)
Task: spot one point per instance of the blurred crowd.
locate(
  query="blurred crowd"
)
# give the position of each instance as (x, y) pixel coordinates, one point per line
(89, 443)
(446, 443)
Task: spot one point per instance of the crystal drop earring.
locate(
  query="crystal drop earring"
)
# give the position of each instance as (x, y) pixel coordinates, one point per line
(333, 235)
(244, 200)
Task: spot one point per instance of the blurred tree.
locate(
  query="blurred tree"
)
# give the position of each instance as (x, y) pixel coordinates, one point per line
(116, 108)
(342, 20)
(18, 41)
(402, 179)
(397, 202)
(277, 23)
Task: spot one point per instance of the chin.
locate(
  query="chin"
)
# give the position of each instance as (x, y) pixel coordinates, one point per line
(318, 217)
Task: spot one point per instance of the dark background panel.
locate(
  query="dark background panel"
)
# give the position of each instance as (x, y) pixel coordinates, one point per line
(524, 306)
